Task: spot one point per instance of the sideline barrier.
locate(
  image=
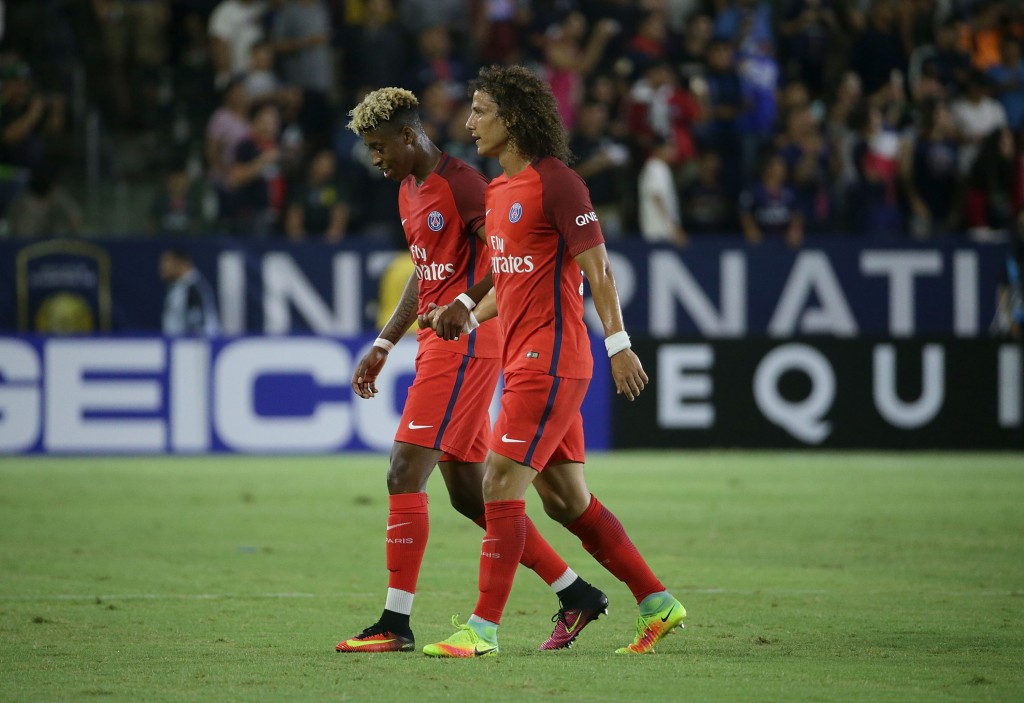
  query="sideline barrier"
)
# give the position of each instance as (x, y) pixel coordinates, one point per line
(152, 395)
(827, 393)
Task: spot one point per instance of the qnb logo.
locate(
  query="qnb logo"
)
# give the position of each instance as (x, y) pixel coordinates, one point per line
(435, 221)
(512, 264)
(582, 220)
(515, 212)
(434, 271)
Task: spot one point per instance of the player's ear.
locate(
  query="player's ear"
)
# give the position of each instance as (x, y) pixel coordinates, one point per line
(408, 135)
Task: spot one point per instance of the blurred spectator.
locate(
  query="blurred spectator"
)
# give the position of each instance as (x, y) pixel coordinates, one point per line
(930, 172)
(134, 34)
(302, 43)
(725, 104)
(976, 115)
(497, 26)
(706, 207)
(318, 208)
(44, 209)
(876, 158)
(658, 198)
(28, 117)
(747, 23)
(417, 15)
(235, 25)
(946, 62)
(189, 307)
(806, 28)
(649, 44)
(256, 188)
(692, 54)
(568, 60)
(988, 205)
(600, 161)
(437, 63)
(1007, 79)
(658, 108)
(759, 80)
(807, 157)
(263, 85)
(768, 208)
(228, 126)
(177, 208)
(375, 51)
(878, 50)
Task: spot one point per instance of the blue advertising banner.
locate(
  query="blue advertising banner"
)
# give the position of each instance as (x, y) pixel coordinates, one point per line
(155, 395)
(716, 288)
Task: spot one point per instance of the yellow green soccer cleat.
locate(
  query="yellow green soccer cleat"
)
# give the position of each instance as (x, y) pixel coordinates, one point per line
(466, 643)
(668, 614)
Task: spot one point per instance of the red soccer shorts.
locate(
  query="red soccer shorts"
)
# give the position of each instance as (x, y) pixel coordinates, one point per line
(540, 421)
(448, 404)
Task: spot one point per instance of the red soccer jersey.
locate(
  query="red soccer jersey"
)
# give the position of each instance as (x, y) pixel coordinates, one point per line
(440, 218)
(537, 222)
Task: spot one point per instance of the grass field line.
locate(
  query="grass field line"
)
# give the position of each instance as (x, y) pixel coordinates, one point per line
(343, 594)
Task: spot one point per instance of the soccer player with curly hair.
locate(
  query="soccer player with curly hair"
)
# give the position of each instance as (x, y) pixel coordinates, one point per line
(445, 420)
(544, 236)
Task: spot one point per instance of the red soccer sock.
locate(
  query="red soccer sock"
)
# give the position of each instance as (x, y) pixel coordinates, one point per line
(406, 539)
(538, 555)
(604, 537)
(501, 550)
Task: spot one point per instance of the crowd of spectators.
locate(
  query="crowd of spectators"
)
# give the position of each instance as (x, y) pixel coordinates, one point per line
(766, 118)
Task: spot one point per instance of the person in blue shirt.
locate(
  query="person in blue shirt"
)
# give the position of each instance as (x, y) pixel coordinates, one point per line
(769, 208)
(1007, 79)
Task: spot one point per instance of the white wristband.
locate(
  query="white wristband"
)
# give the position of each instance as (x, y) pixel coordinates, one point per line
(473, 323)
(466, 300)
(617, 342)
(384, 344)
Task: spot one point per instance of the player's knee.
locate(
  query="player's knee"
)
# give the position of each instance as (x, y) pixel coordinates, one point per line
(405, 476)
(466, 502)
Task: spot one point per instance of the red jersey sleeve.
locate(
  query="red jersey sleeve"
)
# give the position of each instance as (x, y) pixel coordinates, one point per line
(567, 206)
(469, 187)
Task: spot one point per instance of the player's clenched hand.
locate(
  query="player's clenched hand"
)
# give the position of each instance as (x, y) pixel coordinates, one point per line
(452, 321)
(364, 380)
(628, 374)
(429, 318)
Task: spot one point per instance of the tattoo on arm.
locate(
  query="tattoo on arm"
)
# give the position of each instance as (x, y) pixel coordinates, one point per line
(405, 312)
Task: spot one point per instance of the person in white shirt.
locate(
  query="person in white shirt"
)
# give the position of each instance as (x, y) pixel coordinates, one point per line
(976, 115)
(658, 198)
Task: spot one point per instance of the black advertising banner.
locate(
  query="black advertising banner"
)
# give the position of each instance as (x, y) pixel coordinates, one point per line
(826, 393)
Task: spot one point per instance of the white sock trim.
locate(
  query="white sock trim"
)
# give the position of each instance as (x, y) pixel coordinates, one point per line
(564, 581)
(399, 601)
(477, 620)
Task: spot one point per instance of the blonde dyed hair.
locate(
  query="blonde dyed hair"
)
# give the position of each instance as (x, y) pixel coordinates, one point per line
(380, 107)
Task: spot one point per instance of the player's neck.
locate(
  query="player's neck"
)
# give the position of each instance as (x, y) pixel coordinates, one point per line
(513, 163)
(427, 158)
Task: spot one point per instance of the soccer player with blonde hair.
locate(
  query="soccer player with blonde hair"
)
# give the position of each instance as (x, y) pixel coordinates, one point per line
(445, 420)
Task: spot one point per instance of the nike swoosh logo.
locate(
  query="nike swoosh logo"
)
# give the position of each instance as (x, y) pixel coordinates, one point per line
(414, 426)
(403, 221)
(578, 618)
(488, 212)
(391, 527)
(366, 643)
(491, 539)
(480, 652)
(505, 438)
(669, 614)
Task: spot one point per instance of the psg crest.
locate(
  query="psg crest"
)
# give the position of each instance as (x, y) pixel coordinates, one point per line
(515, 212)
(435, 221)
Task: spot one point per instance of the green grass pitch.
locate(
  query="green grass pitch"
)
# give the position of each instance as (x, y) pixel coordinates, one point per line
(807, 577)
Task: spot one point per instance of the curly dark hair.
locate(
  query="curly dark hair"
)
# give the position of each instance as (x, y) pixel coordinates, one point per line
(528, 109)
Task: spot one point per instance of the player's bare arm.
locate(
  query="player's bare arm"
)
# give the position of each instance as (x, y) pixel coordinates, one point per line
(364, 380)
(627, 371)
